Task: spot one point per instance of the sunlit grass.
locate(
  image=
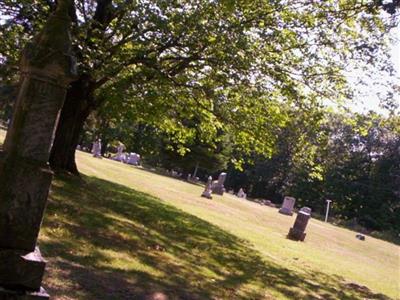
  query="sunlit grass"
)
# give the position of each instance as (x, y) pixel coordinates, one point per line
(121, 232)
(2, 135)
(102, 238)
(225, 248)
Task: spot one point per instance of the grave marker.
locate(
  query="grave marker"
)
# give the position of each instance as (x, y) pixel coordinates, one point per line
(287, 206)
(96, 150)
(218, 185)
(297, 232)
(241, 194)
(207, 191)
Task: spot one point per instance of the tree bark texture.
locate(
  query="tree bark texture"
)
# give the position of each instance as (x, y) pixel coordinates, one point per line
(77, 107)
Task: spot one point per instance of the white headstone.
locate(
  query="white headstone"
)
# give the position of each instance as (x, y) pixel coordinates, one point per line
(96, 150)
(207, 191)
(133, 159)
(241, 194)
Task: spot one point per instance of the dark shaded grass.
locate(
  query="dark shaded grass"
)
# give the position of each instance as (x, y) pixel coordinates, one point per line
(196, 259)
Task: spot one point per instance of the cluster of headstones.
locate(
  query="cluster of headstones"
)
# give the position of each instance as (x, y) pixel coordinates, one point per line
(128, 158)
(174, 173)
(214, 187)
(191, 178)
(297, 232)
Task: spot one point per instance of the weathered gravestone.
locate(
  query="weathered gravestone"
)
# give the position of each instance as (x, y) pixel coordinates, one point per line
(241, 194)
(120, 153)
(218, 185)
(47, 67)
(133, 159)
(297, 232)
(96, 149)
(287, 206)
(266, 202)
(207, 191)
(361, 237)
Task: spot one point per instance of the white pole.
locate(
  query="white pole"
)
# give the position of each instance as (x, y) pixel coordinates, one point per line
(327, 209)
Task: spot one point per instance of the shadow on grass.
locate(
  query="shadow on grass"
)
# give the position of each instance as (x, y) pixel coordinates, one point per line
(106, 241)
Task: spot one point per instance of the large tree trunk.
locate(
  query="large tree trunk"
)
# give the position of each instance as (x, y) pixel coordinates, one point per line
(79, 103)
(76, 109)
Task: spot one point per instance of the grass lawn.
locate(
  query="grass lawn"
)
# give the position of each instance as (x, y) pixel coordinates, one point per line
(2, 135)
(122, 232)
(125, 232)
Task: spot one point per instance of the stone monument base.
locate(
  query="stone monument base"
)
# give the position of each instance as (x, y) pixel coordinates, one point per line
(206, 195)
(21, 270)
(217, 189)
(296, 235)
(21, 295)
(218, 192)
(286, 211)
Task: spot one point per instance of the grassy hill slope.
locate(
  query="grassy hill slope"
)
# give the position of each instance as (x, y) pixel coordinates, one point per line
(122, 232)
(152, 233)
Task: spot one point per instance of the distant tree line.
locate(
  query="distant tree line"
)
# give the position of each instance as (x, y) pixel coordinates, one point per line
(350, 158)
(353, 160)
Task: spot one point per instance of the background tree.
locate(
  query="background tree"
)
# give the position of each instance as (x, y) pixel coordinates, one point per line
(160, 142)
(351, 158)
